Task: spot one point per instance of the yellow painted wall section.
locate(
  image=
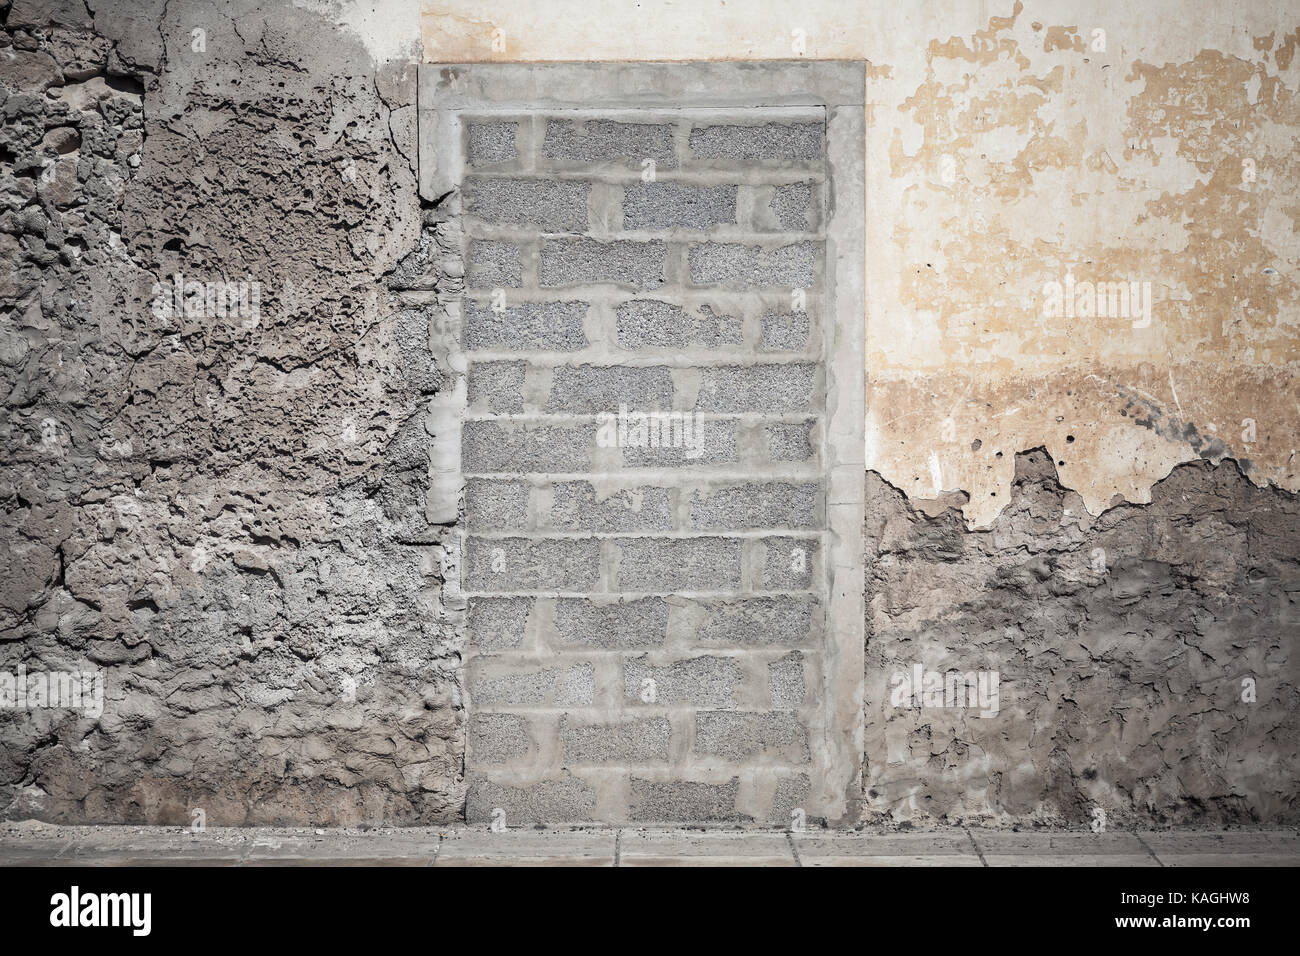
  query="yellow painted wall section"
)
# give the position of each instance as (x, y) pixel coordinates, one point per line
(1027, 164)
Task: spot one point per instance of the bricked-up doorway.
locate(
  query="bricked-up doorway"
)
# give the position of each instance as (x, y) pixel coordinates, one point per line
(654, 434)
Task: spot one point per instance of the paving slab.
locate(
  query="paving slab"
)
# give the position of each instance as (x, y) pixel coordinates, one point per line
(949, 848)
(482, 847)
(677, 847)
(343, 847)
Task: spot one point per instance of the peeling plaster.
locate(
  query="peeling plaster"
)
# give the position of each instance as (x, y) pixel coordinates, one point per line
(1004, 151)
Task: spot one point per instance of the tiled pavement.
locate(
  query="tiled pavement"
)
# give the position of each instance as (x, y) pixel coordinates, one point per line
(34, 844)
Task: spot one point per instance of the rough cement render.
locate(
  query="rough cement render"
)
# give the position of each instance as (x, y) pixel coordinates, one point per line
(225, 516)
(1122, 643)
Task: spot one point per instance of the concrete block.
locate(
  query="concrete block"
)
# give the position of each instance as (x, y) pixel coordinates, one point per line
(786, 332)
(622, 262)
(412, 336)
(498, 738)
(496, 387)
(550, 205)
(673, 205)
(595, 141)
(780, 142)
(518, 447)
(785, 681)
(493, 505)
(714, 443)
(738, 266)
(773, 504)
(791, 794)
(743, 735)
(605, 388)
(650, 323)
(756, 388)
(579, 507)
(623, 625)
(491, 263)
(685, 801)
(497, 623)
(791, 205)
(679, 564)
(789, 441)
(697, 681)
(563, 800)
(493, 683)
(631, 740)
(534, 326)
(492, 143)
(789, 563)
(759, 622)
(526, 564)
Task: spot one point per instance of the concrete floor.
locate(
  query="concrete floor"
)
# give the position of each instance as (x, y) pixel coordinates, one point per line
(35, 844)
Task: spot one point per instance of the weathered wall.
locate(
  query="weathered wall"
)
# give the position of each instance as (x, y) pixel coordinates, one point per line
(221, 513)
(229, 518)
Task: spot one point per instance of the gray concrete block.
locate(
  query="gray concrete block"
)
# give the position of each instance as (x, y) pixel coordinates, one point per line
(789, 563)
(773, 504)
(651, 323)
(759, 622)
(491, 143)
(792, 206)
(697, 681)
(672, 205)
(578, 507)
(757, 388)
(496, 386)
(605, 388)
(782, 142)
(624, 625)
(498, 738)
(738, 266)
(791, 794)
(686, 801)
(785, 681)
(622, 262)
(493, 505)
(536, 326)
(785, 332)
(714, 443)
(631, 740)
(491, 263)
(789, 441)
(678, 564)
(525, 564)
(608, 141)
(550, 205)
(412, 336)
(497, 623)
(495, 684)
(518, 447)
(743, 735)
(563, 800)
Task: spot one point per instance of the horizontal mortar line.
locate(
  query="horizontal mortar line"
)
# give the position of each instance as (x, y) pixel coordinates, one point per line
(540, 534)
(650, 476)
(476, 228)
(738, 115)
(576, 653)
(677, 358)
(584, 417)
(692, 174)
(608, 596)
